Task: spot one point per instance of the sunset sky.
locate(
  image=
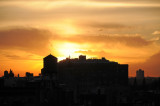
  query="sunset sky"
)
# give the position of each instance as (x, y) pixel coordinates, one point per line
(126, 31)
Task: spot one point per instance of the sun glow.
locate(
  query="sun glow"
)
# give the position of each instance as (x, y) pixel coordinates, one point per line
(68, 30)
(65, 28)
(66, 49)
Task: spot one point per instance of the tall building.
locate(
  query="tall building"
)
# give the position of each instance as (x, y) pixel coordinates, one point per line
(139, 74)
(140, 77)
(49, 66)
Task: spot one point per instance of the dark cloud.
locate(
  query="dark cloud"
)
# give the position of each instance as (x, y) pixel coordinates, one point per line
(12, 56)
(27, 39)
(17, 57)
(151, 66)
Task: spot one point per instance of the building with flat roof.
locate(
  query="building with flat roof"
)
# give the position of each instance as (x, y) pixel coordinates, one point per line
(92, 73)
(140, 74)
(49, 66)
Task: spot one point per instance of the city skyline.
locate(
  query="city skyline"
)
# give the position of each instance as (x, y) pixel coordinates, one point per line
(124, 31)
(80, 59)
(80, 81)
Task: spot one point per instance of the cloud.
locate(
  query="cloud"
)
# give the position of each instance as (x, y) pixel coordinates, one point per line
(155, 39)
(26, 39)
(150, 66)
(156, 33)
(112, 40)
(14, 56)
(56, 12)
(104, 25)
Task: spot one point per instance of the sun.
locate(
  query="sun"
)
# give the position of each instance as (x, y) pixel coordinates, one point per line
(66, 49)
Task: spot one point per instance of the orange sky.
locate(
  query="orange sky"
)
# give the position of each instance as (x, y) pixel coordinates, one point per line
(123, 31)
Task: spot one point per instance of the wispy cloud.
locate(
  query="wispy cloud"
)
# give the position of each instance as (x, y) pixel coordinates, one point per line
(131, 41)
(156, 33)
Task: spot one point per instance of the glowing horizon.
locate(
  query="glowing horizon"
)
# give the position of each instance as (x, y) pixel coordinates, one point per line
(123, 31)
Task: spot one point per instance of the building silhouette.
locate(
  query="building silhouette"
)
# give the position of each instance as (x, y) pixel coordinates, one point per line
(29, 75)
(49, 66)
(11, 74)
(91, 73)
(82, 58)
(140, 77)
(6, 75)
(81, 73)
(80, 82)
(140, 74)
